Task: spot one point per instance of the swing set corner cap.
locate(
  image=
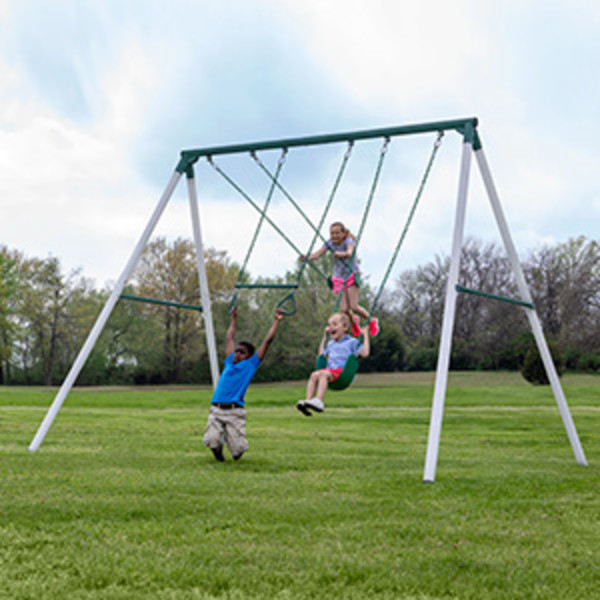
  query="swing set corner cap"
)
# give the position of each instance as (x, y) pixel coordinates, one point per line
(186, 162)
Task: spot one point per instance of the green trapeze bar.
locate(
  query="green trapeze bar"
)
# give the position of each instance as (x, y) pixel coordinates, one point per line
(267, 286)
(162, 302)
(190, 156)
(460, 288)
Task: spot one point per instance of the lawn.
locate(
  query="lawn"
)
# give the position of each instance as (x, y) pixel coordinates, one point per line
(122, 501)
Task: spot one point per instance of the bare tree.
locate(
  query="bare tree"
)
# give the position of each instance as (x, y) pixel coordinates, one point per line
(565, 281)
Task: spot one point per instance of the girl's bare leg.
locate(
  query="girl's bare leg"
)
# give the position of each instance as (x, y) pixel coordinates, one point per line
(345, 306)
(323, 382)
(317, 384)
(311, 385)
(351, 296)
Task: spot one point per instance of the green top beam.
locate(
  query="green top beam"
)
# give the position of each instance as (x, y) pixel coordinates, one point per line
(189, 157)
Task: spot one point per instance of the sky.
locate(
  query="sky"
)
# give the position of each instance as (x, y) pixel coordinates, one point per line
(98, 98)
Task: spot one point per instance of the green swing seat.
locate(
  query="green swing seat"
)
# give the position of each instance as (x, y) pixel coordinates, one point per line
(346, 376)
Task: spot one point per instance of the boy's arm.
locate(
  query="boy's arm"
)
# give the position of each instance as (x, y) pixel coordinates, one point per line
(229, 343)
(262, 350)
(366, 347)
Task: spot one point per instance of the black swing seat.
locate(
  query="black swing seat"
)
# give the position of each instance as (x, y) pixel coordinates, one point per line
(346, 376)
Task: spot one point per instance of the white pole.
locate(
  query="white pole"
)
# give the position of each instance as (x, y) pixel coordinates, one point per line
(204, 290)
(532, 315)
(102, 318)
(441, 375)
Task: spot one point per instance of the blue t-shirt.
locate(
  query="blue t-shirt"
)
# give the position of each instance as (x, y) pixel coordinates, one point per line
(338, 352)
(340, 265)
(235, 379)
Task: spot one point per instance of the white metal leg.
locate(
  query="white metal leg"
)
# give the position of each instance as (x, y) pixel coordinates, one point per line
(204, 290)
(102, 318)
(534, 321)
(441, 376)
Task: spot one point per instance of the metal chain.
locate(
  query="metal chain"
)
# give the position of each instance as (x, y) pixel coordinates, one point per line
(436, 146)
(382, 154)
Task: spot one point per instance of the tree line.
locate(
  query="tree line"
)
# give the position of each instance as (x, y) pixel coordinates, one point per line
(46, 314)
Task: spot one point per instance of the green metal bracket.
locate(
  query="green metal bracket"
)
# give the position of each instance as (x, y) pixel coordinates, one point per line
(186, 164)
(460, 288)
(469, 133)
(161, 302)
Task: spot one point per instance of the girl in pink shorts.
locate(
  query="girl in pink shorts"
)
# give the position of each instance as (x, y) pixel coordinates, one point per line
(341, 245)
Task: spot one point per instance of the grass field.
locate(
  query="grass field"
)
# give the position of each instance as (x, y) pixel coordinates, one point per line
(122, 501)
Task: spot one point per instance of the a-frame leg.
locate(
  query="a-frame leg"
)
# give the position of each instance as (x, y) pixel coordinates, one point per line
(204, 290)
(534, 321)
(103, 317)
(443, 364)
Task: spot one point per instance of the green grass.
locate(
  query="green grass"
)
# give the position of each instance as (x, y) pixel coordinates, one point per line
(122, 501)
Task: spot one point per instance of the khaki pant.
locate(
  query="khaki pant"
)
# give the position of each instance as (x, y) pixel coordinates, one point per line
(229, 426)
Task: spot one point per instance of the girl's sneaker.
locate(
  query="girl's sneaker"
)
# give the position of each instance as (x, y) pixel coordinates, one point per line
(301, 406)
(315, 404)
(373, 326)
(355, 326)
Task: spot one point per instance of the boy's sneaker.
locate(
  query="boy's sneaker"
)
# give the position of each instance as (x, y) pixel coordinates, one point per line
(315, 404)
(218, 453)
(301, 406)
(355, 326)
(373, 327)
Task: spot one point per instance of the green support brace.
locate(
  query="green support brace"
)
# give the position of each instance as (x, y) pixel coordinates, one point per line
(460, 288)
(267, 286)
(161, 302)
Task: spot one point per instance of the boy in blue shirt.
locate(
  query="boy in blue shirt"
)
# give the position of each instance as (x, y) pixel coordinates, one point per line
(337, 350)
(227, 417)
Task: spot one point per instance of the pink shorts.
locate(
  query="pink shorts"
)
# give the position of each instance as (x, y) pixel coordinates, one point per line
(338, 282)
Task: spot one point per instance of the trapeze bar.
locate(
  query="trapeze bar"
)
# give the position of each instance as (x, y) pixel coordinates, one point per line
(267, 286)
(162, 302)
(460, 288)
(190, 156)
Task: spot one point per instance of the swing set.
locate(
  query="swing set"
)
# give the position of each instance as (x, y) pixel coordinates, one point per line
(471, 145)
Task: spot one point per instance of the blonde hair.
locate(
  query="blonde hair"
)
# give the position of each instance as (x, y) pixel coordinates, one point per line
(344, 317)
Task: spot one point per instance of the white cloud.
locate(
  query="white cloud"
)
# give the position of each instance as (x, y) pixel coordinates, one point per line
(402, 54)
(69, 189)
(73, 187)
(488, 60)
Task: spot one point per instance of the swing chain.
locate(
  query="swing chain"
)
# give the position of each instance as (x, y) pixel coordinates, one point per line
(233, 304)
(385, 146)
(348, 150)
(280, 162)
(411, 213)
